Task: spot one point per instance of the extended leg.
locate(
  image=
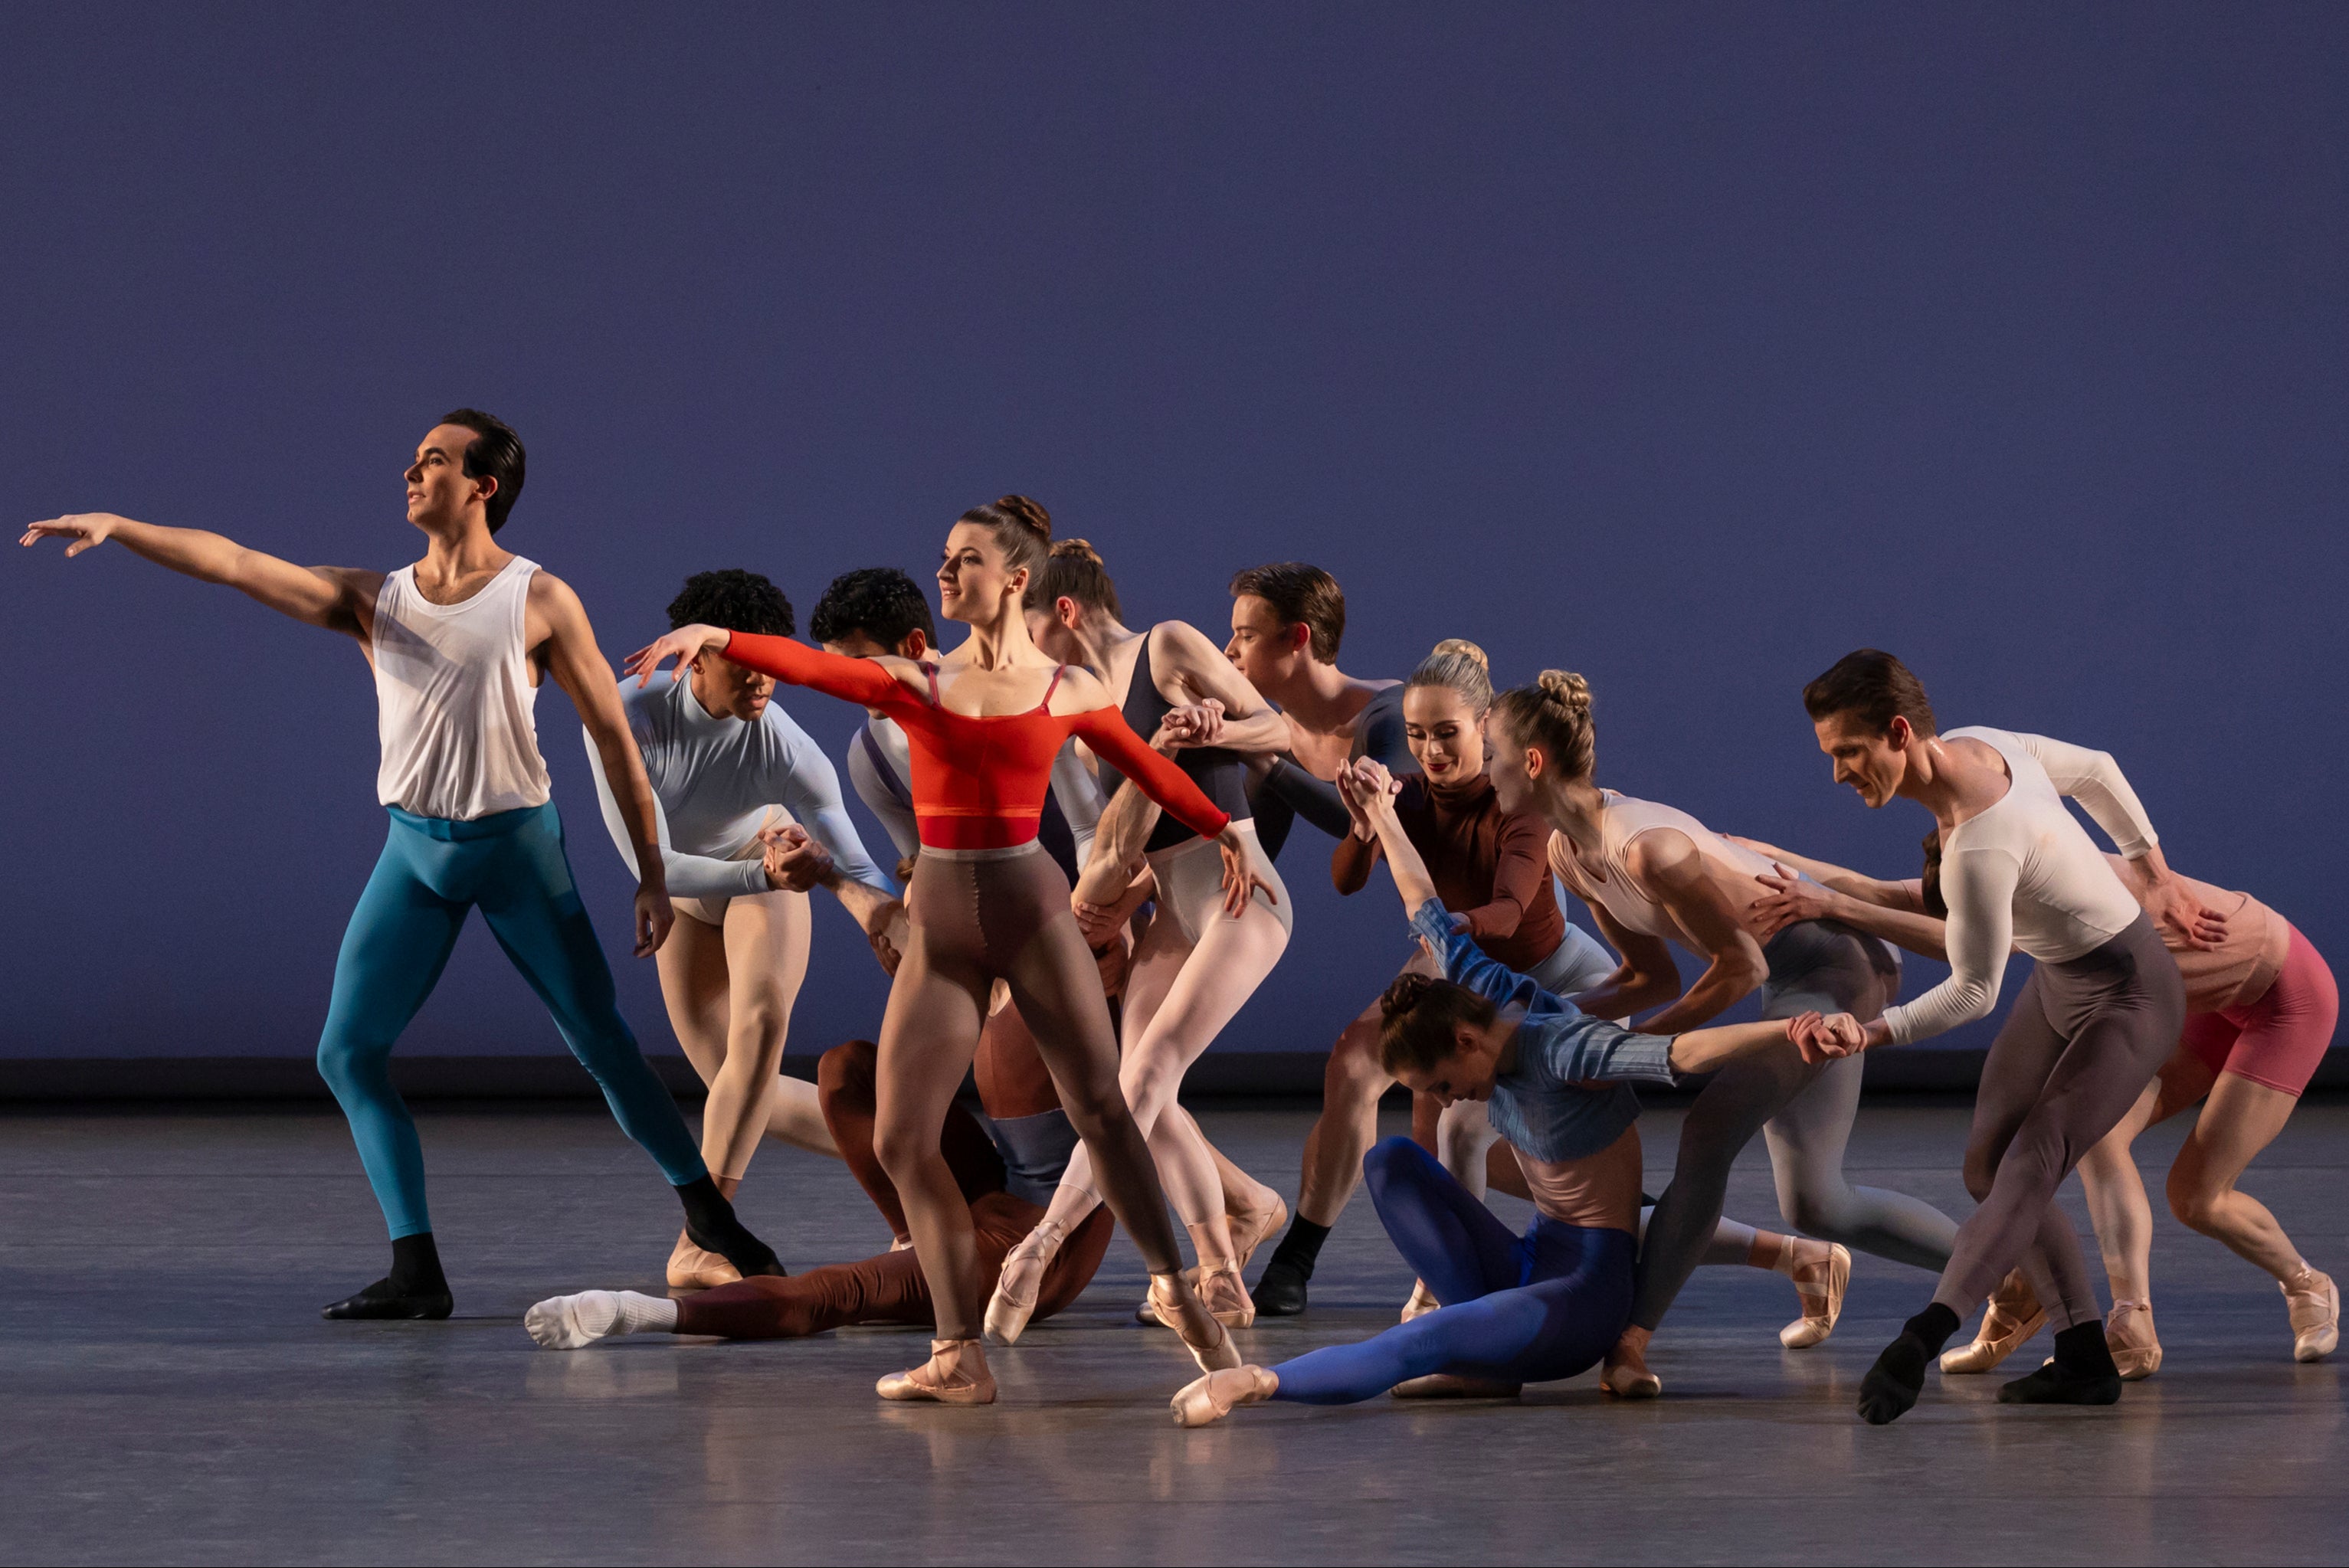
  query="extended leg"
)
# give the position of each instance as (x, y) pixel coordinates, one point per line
(1807, 1142)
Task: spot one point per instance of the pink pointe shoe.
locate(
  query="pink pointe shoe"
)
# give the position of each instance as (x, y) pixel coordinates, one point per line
(1016, 1287)
(2315, 1303)
(2129, 1335)
(2014, 1317)
(1208, 1399)
(1626, 1375)
(1822, 1273)
(956, 1374)
(1217, 1355)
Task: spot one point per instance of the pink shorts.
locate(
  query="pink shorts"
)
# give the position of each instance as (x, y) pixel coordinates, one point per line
(2278, 1039)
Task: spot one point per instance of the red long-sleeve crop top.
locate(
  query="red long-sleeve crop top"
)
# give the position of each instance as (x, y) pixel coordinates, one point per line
(979, 782)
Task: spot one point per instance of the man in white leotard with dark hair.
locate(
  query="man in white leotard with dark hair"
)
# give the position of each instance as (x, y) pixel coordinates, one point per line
(730, 774)
(459, 642)
(2095, 1022)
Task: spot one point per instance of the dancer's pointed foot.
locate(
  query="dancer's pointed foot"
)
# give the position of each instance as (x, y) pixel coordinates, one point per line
(1822, 1273)
(1626, 1375)
(1451, 1386)
(1251, 1228)
(2128, 1334)
(1890, 1387)
(956, 1374)
(2315, 1303)
(1208, 1399)
(2014, 1317)
(1423, 1301)
(1180, 1308)
(571, 1322)
(696, 1268)
(387, 1299)
(1021, 1282)
(1225, 1297)
(712, 1224)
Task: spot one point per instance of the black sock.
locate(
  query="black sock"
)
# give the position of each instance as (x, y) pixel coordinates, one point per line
(414, 1288)
(2082, 1373)
(416, 1267)
(712, 1224)
(1300, 1248)
(1892, 1385)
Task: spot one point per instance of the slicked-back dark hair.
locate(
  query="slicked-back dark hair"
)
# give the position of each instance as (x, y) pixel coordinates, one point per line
(495, 453)
(737, 600)
(881, 602)
(1301, 593)
(1874, 687)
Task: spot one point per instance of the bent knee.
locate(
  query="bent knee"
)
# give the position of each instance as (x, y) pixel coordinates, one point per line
(847, 1069)
(2194, 1203)
(1391, 1157)
(1822, 1213)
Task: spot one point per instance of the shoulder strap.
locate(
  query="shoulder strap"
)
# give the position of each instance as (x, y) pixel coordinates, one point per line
(883, 769)
(931, 670)
(1058, 671)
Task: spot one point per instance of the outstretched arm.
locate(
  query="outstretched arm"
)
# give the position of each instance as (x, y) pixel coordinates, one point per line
(1792, 898)
(1907, 895)
(2093, 779)
(579, 667)
(339, 598)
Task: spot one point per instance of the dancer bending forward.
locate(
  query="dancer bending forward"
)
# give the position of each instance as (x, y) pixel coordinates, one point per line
(1516, 1309)
(2261, 1006)
(730, 773)
(2095, 1022)
(987, 904)
(1197, 963)
(1652, 876)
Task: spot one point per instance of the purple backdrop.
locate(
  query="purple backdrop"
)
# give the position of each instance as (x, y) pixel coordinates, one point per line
(1687, 348)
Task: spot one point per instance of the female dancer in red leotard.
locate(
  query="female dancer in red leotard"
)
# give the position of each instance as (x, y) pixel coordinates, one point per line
(986, 903)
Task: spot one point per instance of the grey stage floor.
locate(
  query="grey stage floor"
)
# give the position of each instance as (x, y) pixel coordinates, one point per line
(171, 1394)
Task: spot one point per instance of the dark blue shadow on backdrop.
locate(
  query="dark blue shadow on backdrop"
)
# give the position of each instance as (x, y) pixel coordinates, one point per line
(1688, 349)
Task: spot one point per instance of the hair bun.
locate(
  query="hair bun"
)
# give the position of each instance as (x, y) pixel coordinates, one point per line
(1405, 993)
(1566, 689)
(1028, 512)
(1464, 649)
(1077, 549)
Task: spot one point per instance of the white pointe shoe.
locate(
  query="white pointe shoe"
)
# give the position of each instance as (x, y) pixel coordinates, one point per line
(1018, 1287)
(1822, 1273)
(2315, 1303)
(1210, 1399)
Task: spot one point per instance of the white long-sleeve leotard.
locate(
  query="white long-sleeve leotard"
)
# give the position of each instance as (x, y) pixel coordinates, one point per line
(2025, 874)
(716, 783)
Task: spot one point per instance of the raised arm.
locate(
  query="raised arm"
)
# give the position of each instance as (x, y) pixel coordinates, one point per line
(1182, 656)
(577, 664)
(1980, 887)
(866, 681)
(339, 598)
(1105, 730)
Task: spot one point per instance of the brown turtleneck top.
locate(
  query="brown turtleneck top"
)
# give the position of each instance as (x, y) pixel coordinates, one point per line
(1490, 865)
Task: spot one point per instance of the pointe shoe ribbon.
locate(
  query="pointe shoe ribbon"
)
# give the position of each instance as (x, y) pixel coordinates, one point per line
(1423, 1302)
(1822, 1274)
(956, 1374)
(2314, 1302)
(1018, 1287)
(1208, 1399)
(2012, 1316)
(1218, 1355)
(1226, 1295)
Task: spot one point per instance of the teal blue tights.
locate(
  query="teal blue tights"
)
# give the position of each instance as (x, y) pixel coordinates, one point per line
(432, 871)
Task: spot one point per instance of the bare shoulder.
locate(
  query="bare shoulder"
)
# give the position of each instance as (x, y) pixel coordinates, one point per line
(1659, 851)
(1080, 691)
(552, 595)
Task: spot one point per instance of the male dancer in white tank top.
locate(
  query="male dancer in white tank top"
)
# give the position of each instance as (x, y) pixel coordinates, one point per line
(458, 641)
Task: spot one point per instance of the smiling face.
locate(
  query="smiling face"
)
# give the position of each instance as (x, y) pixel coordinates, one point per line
(439, 495)
(1875, 763)
(1442, 733)
(1264, 648)
(973, 581)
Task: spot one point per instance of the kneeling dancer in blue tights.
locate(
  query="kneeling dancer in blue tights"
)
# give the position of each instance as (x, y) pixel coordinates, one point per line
(1516, 1309)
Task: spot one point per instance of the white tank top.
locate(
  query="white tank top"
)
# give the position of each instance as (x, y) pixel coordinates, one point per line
(454, 700)
(1623, 818)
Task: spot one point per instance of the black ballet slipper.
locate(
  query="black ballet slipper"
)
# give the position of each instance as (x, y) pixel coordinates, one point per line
(1892, 1386)
(2080, 1372)
(385, 1301)
(712, 1224)
(1280, 1291)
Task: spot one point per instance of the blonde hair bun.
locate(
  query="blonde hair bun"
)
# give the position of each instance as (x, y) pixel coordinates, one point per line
(1464, 649)
(1566, 689)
